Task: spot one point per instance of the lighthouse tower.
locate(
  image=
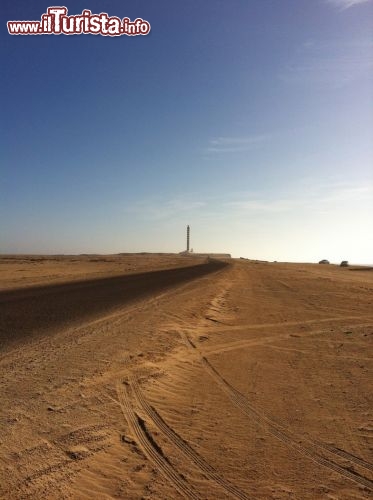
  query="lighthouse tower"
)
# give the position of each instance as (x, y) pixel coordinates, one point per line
(188, 235)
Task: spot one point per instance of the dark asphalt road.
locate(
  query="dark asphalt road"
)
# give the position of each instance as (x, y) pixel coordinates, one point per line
(29, 312)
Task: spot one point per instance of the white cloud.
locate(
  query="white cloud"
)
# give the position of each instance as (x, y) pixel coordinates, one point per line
(349, 194)
(304, 198)
(332, 63)
(234, 144)
(257, 205)
(346, 4)
(164, 209)
(318, 198)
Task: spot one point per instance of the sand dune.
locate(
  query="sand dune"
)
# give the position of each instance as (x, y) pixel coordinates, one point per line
(239, 380)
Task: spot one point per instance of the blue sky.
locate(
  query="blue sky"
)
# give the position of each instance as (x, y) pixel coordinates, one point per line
(250, 120)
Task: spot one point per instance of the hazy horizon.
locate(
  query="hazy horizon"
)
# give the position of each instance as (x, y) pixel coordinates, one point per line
(178, 253)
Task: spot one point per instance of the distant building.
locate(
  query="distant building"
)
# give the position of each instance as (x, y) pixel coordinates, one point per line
(190, 252)
(214, 255)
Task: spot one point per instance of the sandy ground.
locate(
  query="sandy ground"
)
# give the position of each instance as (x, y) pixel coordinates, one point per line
(251, 380)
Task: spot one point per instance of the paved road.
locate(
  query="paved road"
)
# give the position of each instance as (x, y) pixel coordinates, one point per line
(32, 311)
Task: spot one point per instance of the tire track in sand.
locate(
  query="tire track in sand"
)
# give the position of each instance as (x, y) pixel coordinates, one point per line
(311, 451)
(183, 446)
(286, 324)
(150, 448)
(267, 341)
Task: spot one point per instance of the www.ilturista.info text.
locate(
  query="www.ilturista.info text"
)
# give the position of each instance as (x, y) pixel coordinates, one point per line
(57, 22)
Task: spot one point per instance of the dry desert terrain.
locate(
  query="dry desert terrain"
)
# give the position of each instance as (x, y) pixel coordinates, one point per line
(166, 376)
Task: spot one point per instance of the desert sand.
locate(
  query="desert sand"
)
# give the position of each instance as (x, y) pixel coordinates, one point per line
(164, 377)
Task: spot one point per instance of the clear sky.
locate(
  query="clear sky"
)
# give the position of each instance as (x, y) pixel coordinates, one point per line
(250, 120)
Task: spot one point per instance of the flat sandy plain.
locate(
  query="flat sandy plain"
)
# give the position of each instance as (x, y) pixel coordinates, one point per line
(137, 377)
